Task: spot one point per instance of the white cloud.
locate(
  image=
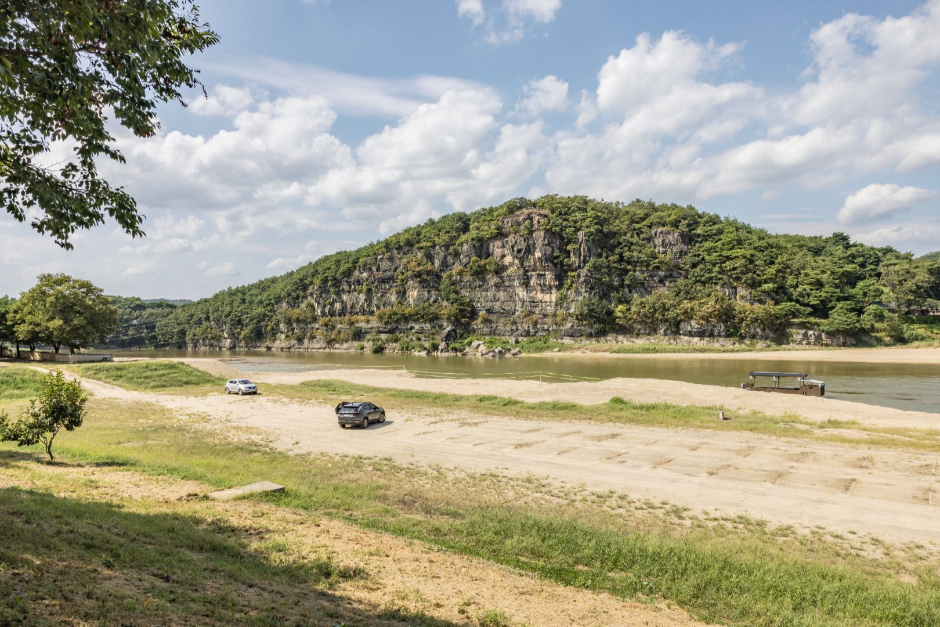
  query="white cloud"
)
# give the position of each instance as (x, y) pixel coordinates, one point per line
(472, 9)
(658, 115)
(343, 92)
(918, 151)
(540, 10)
(218, 270)
(881, 201)
(544, 95)
(428, 157)
(921, 238)
(672, 118)
(140, 268)
(223, 100)
(659, 125)
(168, 226)
(868, 67)
(587, 109)
(649, 71)
(509, 20)
(257, 164)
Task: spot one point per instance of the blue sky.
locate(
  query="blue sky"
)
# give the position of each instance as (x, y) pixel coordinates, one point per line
(330, 124)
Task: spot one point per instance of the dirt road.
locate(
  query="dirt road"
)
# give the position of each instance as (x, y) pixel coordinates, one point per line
(888, 493)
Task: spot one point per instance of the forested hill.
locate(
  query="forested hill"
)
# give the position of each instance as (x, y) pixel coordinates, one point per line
(568, 266)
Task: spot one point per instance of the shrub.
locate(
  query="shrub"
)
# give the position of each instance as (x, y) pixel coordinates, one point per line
(873, 316)
(842, 319)
(481, 267)
(595, 313)
(378, 347)
(61, 404)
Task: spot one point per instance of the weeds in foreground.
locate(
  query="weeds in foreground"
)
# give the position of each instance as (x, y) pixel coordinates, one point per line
(736, 572)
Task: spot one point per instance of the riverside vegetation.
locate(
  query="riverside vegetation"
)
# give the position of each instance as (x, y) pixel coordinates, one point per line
(563, 267)
(734, 571)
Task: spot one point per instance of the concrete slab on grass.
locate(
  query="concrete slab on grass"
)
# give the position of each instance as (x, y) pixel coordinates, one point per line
(231, 493)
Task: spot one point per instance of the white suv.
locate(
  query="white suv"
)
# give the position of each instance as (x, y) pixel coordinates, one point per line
(240, 386)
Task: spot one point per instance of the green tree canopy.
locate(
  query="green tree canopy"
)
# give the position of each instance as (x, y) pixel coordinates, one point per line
(842, 319)
(7, 333)
(908, 283)
(66, 66)
(61, 310)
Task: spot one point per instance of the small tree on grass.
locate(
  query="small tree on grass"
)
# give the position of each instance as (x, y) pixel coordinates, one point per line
(61, 404)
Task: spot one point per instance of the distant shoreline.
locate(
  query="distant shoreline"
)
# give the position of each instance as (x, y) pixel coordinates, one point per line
(883, 355)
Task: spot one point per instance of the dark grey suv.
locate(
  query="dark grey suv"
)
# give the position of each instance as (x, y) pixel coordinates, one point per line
(362, 414)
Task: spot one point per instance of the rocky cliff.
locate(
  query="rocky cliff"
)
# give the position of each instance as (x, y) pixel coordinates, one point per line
(569, 267)
(523, 281)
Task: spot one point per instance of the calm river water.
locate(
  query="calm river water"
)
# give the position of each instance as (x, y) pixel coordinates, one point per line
(902, 386)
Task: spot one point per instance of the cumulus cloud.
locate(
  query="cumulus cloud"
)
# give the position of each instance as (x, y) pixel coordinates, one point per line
(544, 95)
(255, 164)
(865, 66)
(663, 120)
(880, 201)
(429, 156)
(223, 100)
(658, 123)
(657, 114)
(669, 117)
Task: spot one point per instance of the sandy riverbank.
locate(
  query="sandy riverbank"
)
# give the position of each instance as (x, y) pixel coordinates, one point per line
(892, 493)
(886, 492)
(638, 390)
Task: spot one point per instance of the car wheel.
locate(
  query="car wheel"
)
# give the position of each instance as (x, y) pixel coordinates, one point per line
(342, 426)
(241, 392)
(365, 423)
(382, 417)
(228, 391)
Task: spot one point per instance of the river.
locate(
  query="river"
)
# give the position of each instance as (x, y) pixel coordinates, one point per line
(901, 386)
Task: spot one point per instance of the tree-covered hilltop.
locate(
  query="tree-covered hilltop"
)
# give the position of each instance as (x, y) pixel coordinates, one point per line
(929, 257)
(572, 266)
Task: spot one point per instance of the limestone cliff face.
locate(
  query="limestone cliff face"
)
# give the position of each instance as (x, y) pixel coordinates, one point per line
(526, 276)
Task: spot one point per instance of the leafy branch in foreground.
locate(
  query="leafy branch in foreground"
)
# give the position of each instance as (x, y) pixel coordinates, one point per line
(66, 66)
(61, 404)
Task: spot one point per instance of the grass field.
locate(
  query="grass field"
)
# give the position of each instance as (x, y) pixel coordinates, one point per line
(18, 384)
(77, 550)
(735, 571)
(151, 375)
